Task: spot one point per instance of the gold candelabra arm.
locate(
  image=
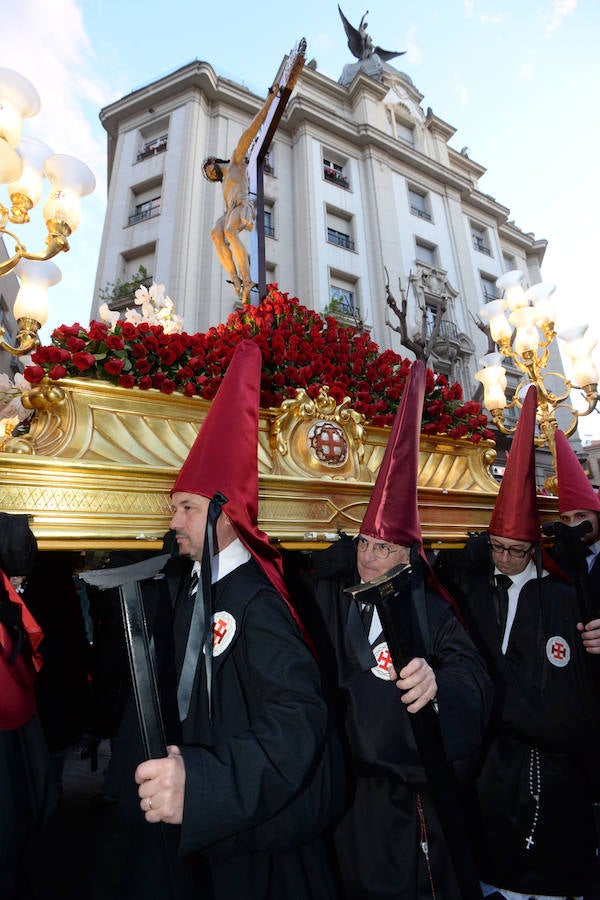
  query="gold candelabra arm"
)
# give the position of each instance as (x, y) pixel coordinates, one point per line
(498, 417)
(56, 241)
(26, 339)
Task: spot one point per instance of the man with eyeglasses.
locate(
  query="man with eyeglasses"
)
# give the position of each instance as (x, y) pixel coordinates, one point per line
(392, 841)
(532, 818)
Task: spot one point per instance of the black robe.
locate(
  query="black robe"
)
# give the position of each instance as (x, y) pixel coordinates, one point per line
(381, 839)
(264, 777)
(544, 711)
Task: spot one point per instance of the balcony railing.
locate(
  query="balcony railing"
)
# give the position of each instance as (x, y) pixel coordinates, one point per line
(448, 330)
(340, 239)
(267, 167)
(336, 177)
(479, 244)
(159, 145)
(269, 230)
(421, 213)
(147, 213)
(489, 295)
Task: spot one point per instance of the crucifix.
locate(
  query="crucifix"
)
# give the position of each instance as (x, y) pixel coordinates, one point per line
(241, 180)
(260, 148)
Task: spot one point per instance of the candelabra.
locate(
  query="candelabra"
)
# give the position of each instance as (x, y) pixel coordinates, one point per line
(23, 164)
(521, 325)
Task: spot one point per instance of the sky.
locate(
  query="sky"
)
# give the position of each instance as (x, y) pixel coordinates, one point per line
(518, 80)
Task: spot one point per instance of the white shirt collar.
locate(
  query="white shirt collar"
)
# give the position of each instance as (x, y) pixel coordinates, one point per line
(229, 559)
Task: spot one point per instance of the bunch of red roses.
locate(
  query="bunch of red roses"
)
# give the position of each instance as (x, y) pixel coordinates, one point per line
(299, 348)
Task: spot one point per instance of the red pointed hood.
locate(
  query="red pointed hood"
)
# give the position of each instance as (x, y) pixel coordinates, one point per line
(575, 490)
(515, 512)
(224, 457)
(393, 513)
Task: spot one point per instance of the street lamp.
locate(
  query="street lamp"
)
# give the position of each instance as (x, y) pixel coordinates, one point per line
(24, 163)
(521, 325)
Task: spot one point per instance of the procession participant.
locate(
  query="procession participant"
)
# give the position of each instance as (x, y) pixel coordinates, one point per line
(28, 789)
(533, 813)
(390, 842)
(578, 502)
(253, 777)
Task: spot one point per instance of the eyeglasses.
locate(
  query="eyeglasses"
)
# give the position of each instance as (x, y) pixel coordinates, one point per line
(513, 552)
(380, 551)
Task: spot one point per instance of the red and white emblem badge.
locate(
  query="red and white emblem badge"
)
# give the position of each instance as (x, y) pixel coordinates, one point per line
(558, 651)
(223, 631)
(327, 443)
(384, 661)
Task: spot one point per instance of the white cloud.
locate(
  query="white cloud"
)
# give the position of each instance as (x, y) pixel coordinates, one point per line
(469, 6)
(560, 9)
(526, 72)
(494, 19)
(61, 64)
(464, 95)
(413, 50)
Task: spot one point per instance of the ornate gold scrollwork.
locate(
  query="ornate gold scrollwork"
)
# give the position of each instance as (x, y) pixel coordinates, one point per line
(318, 436)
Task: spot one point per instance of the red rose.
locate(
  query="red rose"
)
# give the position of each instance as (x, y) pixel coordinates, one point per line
(114, 342)
(143, 366)
(74, 344)
(138, 351)
(58, 355)
(145, 383)
(33, 374)
(98, 331)
(128, 330)
(126, 381)
(168, 386)
(114, 366)
(189, 389)
(57, 372)
(41, 356)
(83, 361)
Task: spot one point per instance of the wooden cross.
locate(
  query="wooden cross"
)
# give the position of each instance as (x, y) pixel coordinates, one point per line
(260, 148)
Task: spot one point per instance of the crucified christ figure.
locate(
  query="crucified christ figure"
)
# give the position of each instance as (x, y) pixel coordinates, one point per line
(240, 211)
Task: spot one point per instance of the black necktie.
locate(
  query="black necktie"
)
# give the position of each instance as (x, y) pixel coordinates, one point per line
(503, 582)
(193, 650)
(367, 616)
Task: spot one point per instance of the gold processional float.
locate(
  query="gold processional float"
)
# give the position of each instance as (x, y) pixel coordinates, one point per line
(98, 463)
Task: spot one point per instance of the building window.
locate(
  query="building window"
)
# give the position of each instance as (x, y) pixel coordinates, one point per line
(342, 300)
(400, 126)
(339, 228)
(426, 253)
(480, 238)
(152, 147)
(339, 238)
(147, 209)
(488, 286)
(334, 172)
(419, 204)
(268, 168)
(509, 262)
(269, 223)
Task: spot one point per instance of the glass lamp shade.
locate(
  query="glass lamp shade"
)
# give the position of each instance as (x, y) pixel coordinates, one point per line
(579, 348)
(538, 295)
(34, 153)
(71, 179)
(499, 326)
(527, 336)
(18, 99)
(32, 299)
(514, 294)
(493, 379)
(11, 164)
